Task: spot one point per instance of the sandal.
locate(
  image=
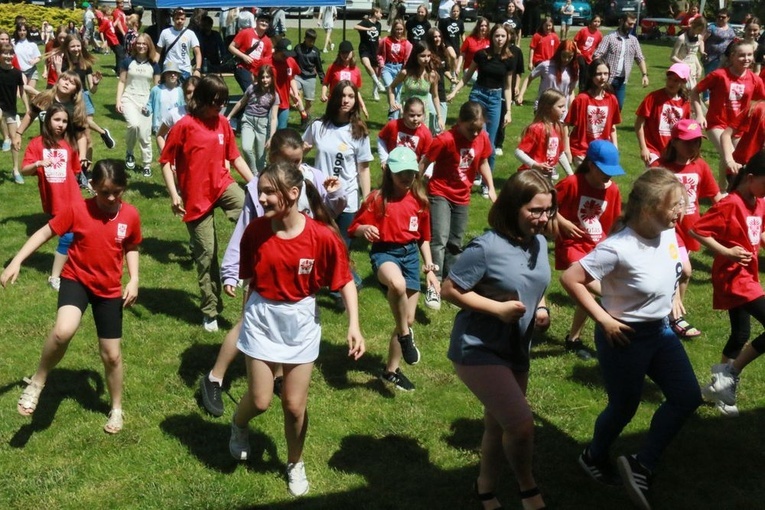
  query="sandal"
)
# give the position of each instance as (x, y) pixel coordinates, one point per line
(29, 397)
(114, 423)
(485, 496)
(531, 493)
(683, 329)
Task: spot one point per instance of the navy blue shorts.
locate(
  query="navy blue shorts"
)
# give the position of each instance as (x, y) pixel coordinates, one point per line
(405, 256)
(107, 312)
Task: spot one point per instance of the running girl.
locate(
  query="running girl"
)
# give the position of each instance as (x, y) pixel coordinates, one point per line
(417, 79)
(396, 221)
(561, 73)
(261, 108)
(106, 232)
(543, 43)
(543, 141)
(287, 257)
(11, 87)
(660, 111)
(594, 113)
(408, 131)
(732, 230)
(51, 157)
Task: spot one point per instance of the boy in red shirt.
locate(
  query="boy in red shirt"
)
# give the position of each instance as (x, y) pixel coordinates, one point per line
(286, 69)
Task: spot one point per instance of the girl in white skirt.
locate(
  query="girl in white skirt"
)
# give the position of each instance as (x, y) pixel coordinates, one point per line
(287, 257)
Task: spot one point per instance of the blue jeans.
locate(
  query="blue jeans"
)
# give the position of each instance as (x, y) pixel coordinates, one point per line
(388, 73)
(282, 117)
(620, 90)
(654, 350)
(243, 77)
(491, 100)
(448, 222)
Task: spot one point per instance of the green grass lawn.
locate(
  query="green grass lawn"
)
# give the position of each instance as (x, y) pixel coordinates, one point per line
(368, 446)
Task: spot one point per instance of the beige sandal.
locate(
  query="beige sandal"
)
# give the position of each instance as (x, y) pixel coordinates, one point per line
(114, 423)
(29, 397)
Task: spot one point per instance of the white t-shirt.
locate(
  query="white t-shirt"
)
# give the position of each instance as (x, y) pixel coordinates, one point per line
(183, 51)
(638, 276)
(26, 51)
(338, 154)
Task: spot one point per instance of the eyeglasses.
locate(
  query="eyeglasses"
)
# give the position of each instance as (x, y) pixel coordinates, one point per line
(537, 212)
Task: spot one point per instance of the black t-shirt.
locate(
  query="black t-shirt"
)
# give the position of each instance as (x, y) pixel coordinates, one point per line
(10, 81)
(514, 22)
(369, 39)
(492, 71)
(451, 30)
(82, 73)
(416, 30)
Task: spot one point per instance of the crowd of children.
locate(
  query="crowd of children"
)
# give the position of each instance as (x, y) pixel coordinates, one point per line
(295, 222)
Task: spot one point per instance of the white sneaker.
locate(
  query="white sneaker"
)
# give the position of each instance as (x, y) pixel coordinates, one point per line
(375, 95)
(498, 151)
(723, 386)
(484, 191)
(296, 479)
(726, 410)
(210, 325)
(432, 298)
(331, 46)
(380, 86)
(239, 444)
(54, 282)
(477, 181)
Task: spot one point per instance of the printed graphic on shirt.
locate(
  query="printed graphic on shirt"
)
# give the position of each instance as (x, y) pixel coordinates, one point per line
(395, 48)
(409, 141)
(589, 42)
(414, 225)
(755, 229)
(735, 94)
(691, 183)
(306, 266)
(454, 29)
(466, 159)
(596, 120)
(589, 212)
(418, 32)
(121, 232)
(220, 138)
(552, 150)
(669, 117)
(56, 171)
(345, 75)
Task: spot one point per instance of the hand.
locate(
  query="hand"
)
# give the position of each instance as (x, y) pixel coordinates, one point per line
(616, 332)
(569, 229)
(441, 125)
(332, 184)
(371, 233)
(544, 169)
(10, 274)
(118, 106)
(508, 119)
(542, 319)
(97, 77)
(702, 120)
(324, 97)
(510, 311)
(230, 290)
(734, 167)
(17, 141)
(492, 194)
(247, 59)
(356, 346)
(450, 96)
(130, 294)
(739, 254)
(645, 80)
(177, 206)
(45, 163)
(394, 106)
(432, 280)
(645, 155)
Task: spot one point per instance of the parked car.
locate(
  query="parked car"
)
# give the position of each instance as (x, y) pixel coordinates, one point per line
(302, 12)
(470, 11)
(615, 9)
(582, 11)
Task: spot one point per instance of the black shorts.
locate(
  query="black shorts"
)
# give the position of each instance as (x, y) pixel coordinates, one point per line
(370, 55)
(107, 312)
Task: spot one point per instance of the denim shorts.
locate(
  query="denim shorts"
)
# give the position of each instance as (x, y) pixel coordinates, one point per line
(90, 109)
(405, 256)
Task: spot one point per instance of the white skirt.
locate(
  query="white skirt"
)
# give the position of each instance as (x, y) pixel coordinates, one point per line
(280, 332)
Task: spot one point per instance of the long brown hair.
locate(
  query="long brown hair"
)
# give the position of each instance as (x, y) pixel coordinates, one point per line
(358, 126)
(46, 98)
(85, 61)
(381, 197)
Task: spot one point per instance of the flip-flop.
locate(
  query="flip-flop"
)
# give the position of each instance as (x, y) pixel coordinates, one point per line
(29, 397)
(114, 423)
(683, 329)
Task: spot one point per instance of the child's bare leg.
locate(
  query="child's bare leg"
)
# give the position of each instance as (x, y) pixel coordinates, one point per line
(58, 264)
(260, 391)
(394, 347)
(227, 352)
(111, 356)
(294, 405)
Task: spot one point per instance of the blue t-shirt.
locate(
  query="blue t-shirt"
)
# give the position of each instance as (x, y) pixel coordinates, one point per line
(499, 269)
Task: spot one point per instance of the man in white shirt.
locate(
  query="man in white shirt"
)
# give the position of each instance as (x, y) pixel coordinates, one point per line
(177, 44)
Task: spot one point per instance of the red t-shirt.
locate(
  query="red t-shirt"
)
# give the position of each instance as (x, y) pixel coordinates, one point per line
(396, 134)
(699, 182)
(119, 18)
(199, 149)
(661, 112)
(100, 242)
(285, 72)
(751, 126)
(405, 219)
(338, 72)
(394, 51)
(57, 183)
(587, 42)
(543, 47)
(457, 161)
(729, 95)
(541, 146)
(591, 209)
(470, 46)
(106, 27)
(245, 40)
(292, 269)
(592, 119)
(731, 222)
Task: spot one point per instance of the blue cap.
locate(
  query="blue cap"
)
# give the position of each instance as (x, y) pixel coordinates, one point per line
(605, 155)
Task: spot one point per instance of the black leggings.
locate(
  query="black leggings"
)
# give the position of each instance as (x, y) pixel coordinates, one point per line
(740, 328)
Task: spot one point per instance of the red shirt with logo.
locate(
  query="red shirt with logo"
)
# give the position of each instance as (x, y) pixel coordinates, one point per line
(732, 222)
(106, 28)
(292, 269)
(729, 95)
(199, 149)
(285, 71)
(339, 72)
(587, 42)
(594, 210)
(542, 143)
(100, 242)
(405, 220)
(396, 134)
(456, 163)
(57, 182)
(750, 125)
(119, 18)
(470, 46)
(661, 112)
(259, 48)
(543, 47)
(394, 51)
(592, 119)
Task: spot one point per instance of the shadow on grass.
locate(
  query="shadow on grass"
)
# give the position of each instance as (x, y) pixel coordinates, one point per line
(335, 366)
(33, 222)
(149, 189)
(208, 442)
(175, 303)
(85, 386)
(168, 252)
(198, 359)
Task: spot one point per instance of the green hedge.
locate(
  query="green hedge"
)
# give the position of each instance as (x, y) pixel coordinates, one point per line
(36, 14)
